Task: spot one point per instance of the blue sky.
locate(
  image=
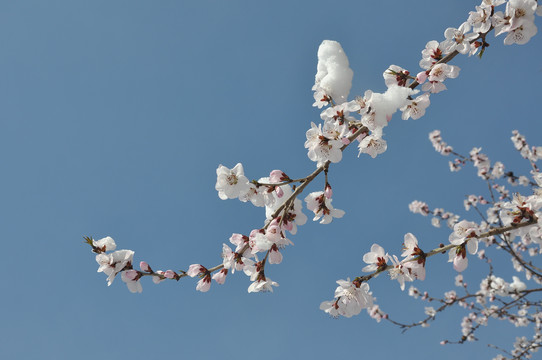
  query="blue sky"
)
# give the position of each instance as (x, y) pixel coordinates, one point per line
(115, 115)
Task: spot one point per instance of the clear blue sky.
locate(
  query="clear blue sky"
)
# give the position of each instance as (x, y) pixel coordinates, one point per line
(115, 115)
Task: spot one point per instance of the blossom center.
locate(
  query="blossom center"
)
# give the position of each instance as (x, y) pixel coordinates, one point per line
(459, 37)
(231, 179)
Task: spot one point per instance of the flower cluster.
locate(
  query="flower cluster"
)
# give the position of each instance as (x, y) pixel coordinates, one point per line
(111, 262)
(510, 224)
(334, 76)
(350, 299)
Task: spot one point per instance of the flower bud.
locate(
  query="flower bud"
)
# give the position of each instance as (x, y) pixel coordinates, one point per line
(145, 267)
(421, 77)
(131, 274)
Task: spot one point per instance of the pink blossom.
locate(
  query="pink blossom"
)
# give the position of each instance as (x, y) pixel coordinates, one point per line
(273, 232)
(239, 241)
(145, 267)
(277, 176)
(195, 269)
(204, 284)
(132, 280)
(458, 256)
(220, 277)
(275, 257)
(159, 279)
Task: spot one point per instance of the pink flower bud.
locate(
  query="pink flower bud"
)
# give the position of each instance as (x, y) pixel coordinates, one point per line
(328, 192)
(279, 191)
(170, 274)
(220, 277)
(277, 176)
(274, 222)
(421, 77)
(131, 274)
(145, 267)
(345, 141)
(287, 225)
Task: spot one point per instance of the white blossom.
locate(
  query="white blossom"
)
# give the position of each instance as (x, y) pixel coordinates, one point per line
(480, 19)
(431, 54)
(521, 34)
(262, 285)
(415, 109)
(395, 76)
(376, 258)
(105, 244)
(231, 184)
(322, 148)
(430, 311)
(351, 298)
(372, 145)
(458, 39)
(419, 207)
(113, 263)
(318, 203)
